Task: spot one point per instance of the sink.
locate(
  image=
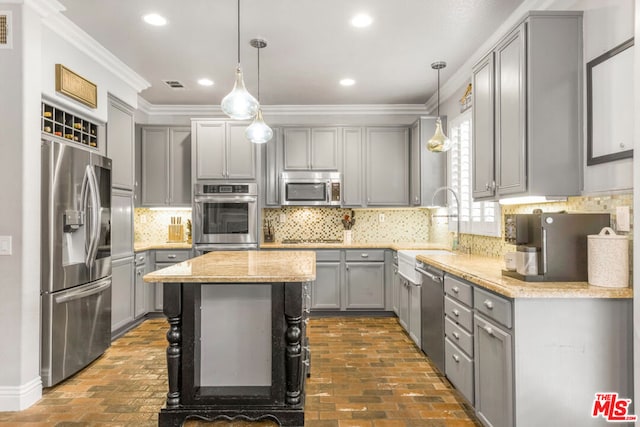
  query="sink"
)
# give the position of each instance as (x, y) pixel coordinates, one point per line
(407, 262)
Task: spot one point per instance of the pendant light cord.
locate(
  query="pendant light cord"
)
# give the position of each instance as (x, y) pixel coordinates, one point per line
(258, 74)
(438, 90)
(238, 32)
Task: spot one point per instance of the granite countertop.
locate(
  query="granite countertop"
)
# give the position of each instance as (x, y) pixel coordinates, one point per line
(486, 272)
(375, 245)
(241, 267)
(146, 246)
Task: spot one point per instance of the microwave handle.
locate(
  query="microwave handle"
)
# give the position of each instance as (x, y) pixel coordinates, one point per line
(328, 192)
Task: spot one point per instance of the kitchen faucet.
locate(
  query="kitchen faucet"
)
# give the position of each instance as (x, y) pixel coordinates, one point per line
(456, 240)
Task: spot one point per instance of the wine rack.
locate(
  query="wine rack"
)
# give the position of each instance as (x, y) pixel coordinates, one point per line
(60, 123)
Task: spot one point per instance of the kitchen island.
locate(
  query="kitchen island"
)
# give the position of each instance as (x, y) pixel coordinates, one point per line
(237, 340)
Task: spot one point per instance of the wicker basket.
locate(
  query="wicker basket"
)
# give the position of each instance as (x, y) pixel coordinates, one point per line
(608, 259)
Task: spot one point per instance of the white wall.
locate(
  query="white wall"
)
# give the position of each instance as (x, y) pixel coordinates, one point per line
(20, 384)
(636, 239)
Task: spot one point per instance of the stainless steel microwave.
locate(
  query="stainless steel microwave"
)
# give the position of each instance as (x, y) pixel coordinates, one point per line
(310, 189)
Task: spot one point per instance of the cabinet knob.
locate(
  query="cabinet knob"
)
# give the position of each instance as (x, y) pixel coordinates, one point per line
(488, 304)
(171, 256)
(456, 335)
(455, 289)
(456, 312)
(364, 255)
(456, 358)
(488, 330)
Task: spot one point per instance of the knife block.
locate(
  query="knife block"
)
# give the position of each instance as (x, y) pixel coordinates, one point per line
(176, 233)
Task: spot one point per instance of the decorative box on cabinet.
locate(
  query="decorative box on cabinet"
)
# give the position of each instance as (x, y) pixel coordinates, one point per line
(222, 151)
(166, 166)
(522, 146)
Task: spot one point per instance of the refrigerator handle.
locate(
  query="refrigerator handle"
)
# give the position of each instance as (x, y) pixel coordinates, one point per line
(78, 294)
(96, 213)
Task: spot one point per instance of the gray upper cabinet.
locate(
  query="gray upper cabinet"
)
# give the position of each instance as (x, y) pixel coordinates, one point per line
(166, 166)
(527, 110)
(352, 167)
(120, 143)
(387, 166)
(308, 148)
(428, 170)
(221, 151)
(272, 167)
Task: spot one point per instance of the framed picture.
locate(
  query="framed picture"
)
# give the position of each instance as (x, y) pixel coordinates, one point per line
(610, 105)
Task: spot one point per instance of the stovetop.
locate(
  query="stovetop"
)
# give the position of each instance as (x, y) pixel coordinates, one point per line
(298, 241)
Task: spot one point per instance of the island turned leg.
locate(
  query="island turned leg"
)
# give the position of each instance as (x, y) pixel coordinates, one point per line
(293, 336)
(172, 308)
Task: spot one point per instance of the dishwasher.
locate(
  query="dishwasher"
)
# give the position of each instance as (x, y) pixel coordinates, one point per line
(432, 313)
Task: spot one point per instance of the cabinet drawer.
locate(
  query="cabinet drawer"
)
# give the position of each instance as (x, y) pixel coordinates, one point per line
(493, 306)
(458, 289)
(172, 256)
(458, 313)
(328, 255)
(365, 255)
(141, 258)
(459, 369)
(459, 336)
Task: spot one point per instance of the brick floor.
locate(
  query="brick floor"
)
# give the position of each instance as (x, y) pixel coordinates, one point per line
(365, 372)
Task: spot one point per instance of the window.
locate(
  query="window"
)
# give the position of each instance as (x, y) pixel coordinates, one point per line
(475, 217)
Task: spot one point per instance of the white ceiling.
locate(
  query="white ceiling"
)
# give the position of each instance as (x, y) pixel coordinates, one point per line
(311, 46)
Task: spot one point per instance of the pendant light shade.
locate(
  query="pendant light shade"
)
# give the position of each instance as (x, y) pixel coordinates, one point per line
(258, 132)
(439, 142)
(239, 104)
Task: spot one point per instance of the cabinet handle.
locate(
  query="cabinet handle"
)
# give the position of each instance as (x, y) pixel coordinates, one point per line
(171, 256)
(364, 255)
(455, 289)
(456, 358)
(488, 304)
(139, 273)
(488, 330)
(395, 271)
(305, 363)
(456, 313)
(456, 335)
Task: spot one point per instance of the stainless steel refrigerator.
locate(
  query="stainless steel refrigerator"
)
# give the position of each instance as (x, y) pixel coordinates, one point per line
(76, 259)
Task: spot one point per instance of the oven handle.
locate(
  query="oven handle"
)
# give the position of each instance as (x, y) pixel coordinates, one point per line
(225, 199)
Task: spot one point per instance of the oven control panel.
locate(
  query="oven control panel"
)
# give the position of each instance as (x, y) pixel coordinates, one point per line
(221, 189)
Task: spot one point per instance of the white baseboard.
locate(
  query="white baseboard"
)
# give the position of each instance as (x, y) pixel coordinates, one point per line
(20, 397)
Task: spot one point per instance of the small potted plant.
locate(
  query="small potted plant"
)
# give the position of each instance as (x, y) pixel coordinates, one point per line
(347, 222)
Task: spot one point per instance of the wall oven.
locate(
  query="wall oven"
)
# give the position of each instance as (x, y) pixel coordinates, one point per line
(225, 217)
(310, 189)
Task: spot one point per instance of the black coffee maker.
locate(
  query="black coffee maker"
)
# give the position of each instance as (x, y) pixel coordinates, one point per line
(560, 242)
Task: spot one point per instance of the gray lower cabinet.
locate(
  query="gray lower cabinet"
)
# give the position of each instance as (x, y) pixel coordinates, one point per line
(165, 258)
(325, 291)
(415, 317)
(403, 302)
(364, 285)
(165, 166)
(143, 291)
(396, 285)
(122, 293)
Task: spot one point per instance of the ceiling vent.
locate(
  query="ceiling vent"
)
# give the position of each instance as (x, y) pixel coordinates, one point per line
(174, 84)
(5, 30)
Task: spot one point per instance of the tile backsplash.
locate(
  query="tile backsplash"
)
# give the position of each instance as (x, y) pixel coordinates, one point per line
(152, 226)
(371, 225)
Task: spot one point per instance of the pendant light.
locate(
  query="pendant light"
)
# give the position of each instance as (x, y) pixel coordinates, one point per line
(439, 142)
(258, 132)
(239, 104)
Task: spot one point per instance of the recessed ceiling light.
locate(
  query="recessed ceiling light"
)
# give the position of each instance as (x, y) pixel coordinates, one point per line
(155, 19)
(347, 82)
(205, 82)
(361, 20)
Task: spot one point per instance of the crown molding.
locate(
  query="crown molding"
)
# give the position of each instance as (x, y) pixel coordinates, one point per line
(463, 74)
(44, 8)
(283, 110)
(65, 28)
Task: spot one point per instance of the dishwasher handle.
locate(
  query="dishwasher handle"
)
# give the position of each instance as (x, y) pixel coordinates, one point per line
(430, 275)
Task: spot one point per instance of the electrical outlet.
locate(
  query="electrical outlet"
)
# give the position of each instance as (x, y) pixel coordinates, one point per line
(143, 219)
(381, 217)
(622, 218)
(283, 218)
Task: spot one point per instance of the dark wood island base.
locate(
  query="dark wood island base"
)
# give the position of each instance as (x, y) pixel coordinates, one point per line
(237, 349)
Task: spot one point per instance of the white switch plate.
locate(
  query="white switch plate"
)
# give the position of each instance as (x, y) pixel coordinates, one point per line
(5, 245)
(381, 217)
(622, 218)
(283, 218)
